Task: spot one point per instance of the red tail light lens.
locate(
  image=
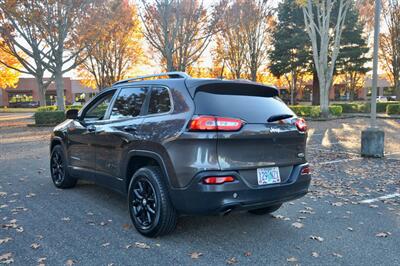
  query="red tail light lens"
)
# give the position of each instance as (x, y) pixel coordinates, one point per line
(306, 170)
(212, 123)
(301, 125)
(216, 180)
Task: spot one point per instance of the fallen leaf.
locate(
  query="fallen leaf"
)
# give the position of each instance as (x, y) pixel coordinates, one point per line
(337, 255)
(337, 204)
(6, 258)
(70, 262)
(19, 229)
(383, 234)
(231, 261)
(195, 255)
(126, 226)
(350, 229)
(291, 259)
(318, 238)
(105, 244)
(247, 254)
(35, 245)
(141, 245)
(42, 261)
(315, 254)
(5, 240)
(66, 219)
(373, 206)
(3, 194)
(298, 225)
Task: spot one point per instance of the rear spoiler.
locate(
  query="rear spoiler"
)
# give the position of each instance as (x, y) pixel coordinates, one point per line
(246, 88)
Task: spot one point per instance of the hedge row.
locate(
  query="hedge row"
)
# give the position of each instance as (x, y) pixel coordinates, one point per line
(364, 107)
(49, 117)
(393, 109)
(314, 111)
(54, 108)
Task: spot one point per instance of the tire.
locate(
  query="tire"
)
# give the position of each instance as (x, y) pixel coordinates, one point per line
(266, 210)
(150, 208)
(58, 169)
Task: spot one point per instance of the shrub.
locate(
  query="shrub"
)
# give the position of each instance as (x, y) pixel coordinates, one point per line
(393, 109)
(314, 111)
(364, 108)
(49, 117)
(348, 107)
(336, 110)
(307, 111)
(382, 107)
(46, 108)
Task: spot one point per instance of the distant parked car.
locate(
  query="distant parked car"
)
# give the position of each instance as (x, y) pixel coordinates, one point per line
(24, 105)
(392, 98)
(381, 99)
(182, 145)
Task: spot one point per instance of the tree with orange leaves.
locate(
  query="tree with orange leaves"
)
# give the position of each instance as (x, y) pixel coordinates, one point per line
(116, 47)
(8, 73)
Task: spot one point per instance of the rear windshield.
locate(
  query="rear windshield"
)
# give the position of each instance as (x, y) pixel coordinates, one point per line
(252, 109)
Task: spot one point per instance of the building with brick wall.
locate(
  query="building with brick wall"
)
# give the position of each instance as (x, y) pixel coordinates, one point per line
(26, 93)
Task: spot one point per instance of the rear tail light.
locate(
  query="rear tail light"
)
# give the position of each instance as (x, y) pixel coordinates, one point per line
(212, 123)
(306, 170)
(216, 180)
(301, 125)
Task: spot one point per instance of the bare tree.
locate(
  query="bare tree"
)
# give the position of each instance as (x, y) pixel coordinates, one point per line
(232, 40)
(21, 39)
(320, 29)
(390, 42)
(116, 48)
(179, 30)
(257, 27)
(61, 28)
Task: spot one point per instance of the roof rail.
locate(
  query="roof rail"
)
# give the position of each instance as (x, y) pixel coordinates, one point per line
(171, 75)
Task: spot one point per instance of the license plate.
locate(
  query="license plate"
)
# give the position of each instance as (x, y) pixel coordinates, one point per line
(268, 175)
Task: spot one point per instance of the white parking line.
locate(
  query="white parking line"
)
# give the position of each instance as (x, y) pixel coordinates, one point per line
(345, 152)
(381, 198)
(340, 161)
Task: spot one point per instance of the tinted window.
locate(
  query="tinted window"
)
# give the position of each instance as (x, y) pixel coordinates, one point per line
(128, 103)
(253, 109)
(159, 101)
(99, 109)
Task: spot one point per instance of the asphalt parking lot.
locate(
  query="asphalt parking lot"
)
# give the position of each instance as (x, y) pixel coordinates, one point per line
(350, 217)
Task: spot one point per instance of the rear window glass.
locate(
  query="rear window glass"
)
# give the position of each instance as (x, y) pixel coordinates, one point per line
(159, 101)
(252, 109)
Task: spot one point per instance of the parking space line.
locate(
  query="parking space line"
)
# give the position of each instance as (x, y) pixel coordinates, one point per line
(340, 161)
(390, 196)
(346, 152)
(320, 144)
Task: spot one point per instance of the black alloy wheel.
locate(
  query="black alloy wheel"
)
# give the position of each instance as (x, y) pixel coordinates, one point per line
(144, 203)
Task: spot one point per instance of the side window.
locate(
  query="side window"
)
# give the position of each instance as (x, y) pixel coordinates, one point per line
(99, 109)
(128, 103)
(160, 101)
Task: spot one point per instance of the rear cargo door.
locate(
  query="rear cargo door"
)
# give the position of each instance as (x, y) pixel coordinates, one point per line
(258, 143)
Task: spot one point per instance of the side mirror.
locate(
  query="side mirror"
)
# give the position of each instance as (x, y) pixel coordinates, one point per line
(72, 114)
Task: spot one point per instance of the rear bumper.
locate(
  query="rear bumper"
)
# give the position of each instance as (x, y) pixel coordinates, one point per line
(198, 198)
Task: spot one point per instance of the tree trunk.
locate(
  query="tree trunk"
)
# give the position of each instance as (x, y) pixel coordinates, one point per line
(397, 90)
(315, 89)
(292, 89)
(42, 91)
(324, 98)
(60, 90)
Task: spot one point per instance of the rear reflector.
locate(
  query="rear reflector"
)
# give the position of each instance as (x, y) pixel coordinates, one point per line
(215, 180)
(301, 125)
(212, 123)
(306, 170)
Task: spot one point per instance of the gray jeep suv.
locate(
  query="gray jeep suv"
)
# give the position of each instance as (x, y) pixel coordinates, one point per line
(176, 145)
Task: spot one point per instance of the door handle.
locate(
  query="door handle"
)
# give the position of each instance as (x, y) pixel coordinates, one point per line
(91, 128)
(130, 128)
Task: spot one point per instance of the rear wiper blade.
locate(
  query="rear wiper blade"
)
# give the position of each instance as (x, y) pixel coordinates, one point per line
(279, 117)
